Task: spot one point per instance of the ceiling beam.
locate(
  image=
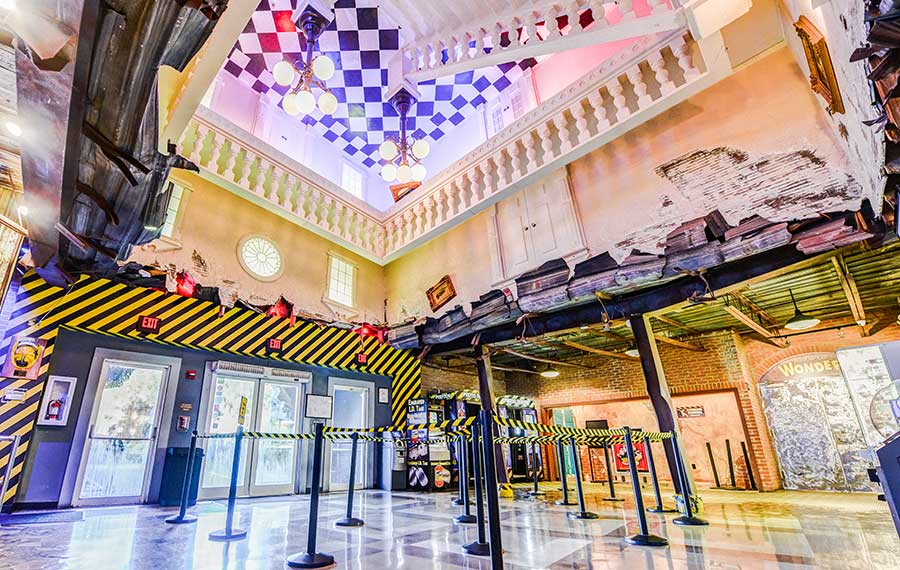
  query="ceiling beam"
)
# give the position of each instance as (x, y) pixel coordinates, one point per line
(471, 362)
(679, 343)
(851, 291)
(750, 322)
(676, 324)
(755, 309)
(600, 351)
(537, 359)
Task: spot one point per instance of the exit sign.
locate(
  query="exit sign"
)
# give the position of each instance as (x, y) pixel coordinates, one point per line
(148, 324)
(362, 358)
(273, 345)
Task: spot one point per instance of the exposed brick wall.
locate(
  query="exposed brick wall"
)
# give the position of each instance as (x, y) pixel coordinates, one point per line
(439, 380)
(719, 367)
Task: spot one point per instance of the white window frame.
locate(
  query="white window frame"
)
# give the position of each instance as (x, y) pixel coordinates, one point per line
(173, 240)
(338, 307)
(251, 272)
(347, 167)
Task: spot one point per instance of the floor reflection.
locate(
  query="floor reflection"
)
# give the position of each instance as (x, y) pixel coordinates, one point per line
(748, 531)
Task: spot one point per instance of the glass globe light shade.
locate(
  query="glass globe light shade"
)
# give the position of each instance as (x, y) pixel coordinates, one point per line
(388, 150)
(328, 103)
(421, 148)
(306, 101)
(290, 104)
(323, 67)
(283, 73)
(418, 172)
(404, 173)
(389, 173)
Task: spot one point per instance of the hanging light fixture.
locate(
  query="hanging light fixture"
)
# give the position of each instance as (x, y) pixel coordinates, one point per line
(313, 72)
(404, 156)
(550, 373)
(633, 352)
(800, 321)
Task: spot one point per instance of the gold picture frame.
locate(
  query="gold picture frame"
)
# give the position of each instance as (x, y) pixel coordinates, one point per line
(441, 293)
(821, 71)
(11, 237)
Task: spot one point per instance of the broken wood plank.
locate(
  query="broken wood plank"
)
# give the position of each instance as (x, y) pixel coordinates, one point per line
(702, 257)
(750, 225)
(545, 299)
(537, 359)
(551, 274)
(851, 292)
(765, 239)
(640, 268)
(600, 351)
(686, 236)
(716, 226)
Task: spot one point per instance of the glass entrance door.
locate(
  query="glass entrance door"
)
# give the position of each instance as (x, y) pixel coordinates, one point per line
(351, 409)
(565, 417)
(118, 454)
(273, 406)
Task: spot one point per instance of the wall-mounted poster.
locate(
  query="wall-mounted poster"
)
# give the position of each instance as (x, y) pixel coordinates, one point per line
(24, 357)
(620, 453)
(57, 399)
(318, 407)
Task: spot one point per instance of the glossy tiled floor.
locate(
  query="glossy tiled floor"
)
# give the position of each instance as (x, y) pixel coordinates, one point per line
(783, 531)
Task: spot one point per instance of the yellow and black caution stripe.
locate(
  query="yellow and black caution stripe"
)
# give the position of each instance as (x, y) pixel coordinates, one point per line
(100, 306)
(553, 429)
(610, 437)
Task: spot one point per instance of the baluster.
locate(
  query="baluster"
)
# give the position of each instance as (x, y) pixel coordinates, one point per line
(562, 128)
(492, 173)
(246, 168)
(626, 9)
(512, 32)
(658, 65)
(552, 23)
(530, 153)
(430, 212)
(443, 204)
(546, 142)
(289, 193)
(315, 206)
(580, 113)
(477, 185)
(598, 12)
(230, 161)
(215, 153)
(573, 16)
(595, 98)
(504, 167)
(465, 196)
(636, 77)
(618, 92)
(530, 28)
(495, 37)
(408, 227)
(685, 59)
(515, 162)
(199, 143)
(419, 212)
(479, 43)
(454, 199)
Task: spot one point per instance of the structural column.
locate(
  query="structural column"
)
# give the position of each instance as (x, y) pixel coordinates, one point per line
(483, 365)
(657, 387)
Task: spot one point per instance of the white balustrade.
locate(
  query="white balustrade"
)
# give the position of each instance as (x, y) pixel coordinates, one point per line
(565, 126)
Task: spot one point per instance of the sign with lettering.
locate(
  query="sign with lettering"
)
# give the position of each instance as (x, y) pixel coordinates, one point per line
(810, 365)
(690, 411)
(23, 360)
(148, 324)
(362, 358)
(273, 346)
(242, 413)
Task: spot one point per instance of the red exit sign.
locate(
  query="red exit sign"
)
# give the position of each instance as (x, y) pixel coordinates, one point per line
(148, 324)
(273, 345)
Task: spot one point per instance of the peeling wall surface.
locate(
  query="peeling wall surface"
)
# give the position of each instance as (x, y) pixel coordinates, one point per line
(757, 142)
(841, 22)
(215, 221)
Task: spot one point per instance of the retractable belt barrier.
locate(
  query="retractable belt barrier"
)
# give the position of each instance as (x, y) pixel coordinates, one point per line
(586, 439)
(556, 433)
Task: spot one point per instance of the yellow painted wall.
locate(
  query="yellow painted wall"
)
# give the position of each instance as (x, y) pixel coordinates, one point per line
(767, 107)
(215, 220)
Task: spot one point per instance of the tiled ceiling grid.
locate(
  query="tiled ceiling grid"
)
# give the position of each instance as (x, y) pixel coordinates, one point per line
(361, 43)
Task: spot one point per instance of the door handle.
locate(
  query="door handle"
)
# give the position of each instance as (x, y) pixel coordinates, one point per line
(533, 225)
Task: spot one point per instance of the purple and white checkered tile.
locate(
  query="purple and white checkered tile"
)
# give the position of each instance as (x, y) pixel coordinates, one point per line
(361, 44)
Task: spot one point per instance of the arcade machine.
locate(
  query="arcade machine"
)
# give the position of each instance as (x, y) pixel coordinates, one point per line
(518, 455)
(428, 457)
(457, 405)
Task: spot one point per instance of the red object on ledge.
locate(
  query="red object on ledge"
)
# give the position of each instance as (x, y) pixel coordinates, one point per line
(185, 284)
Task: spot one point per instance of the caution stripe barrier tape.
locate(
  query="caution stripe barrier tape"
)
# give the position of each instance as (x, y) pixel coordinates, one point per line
(636, 437)
(405, 427)
(215, 435)
(580, 432)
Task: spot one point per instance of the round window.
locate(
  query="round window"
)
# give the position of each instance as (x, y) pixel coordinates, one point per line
(259, 256)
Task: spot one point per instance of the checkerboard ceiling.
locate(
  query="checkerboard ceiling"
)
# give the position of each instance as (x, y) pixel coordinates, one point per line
(361, 43)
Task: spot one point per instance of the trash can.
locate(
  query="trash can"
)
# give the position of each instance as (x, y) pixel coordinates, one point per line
(173, 476)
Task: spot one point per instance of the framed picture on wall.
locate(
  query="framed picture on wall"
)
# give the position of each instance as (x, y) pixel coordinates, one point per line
(57, 400)
(384, 396)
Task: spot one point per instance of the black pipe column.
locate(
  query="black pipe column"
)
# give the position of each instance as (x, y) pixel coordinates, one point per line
(534, 472)
(483, 362)
(643, 538)
(462, 467)
(582, 512)
(561, 456)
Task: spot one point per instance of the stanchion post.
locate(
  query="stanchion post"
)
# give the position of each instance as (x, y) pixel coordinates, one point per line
(643, 538)
(688, 519)
(350, 520)
(182, 517)
(659, 508)
(462, 463)
(460, 449)
(311, 558)
(582, 512)
(229, 532)
(712, 462)
(730, 463)
(480, 547)
(561, 459)
(749, 468)
(609, 476)
(536, 492)
(491, 490)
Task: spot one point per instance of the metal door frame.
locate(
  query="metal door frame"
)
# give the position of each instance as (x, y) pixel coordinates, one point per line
(367, 467)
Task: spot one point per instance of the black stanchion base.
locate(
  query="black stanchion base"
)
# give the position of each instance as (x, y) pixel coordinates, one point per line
(690, 521)
(536, 493)
(186, 519)
(466, 519)
(661, 510)
(583, 515)
(224, 536)
(307, 560)
(457, 501)
(352, 521)
(565, 503)
(646, 540)
(613, 499)
(477, 548)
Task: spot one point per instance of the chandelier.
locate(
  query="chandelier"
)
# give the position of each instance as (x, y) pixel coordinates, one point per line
(404, 157)
(313, 72)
